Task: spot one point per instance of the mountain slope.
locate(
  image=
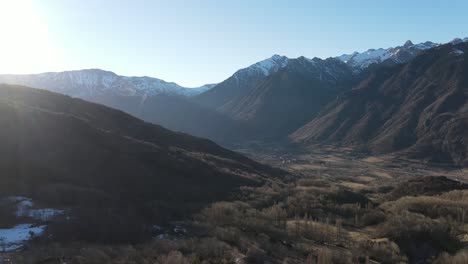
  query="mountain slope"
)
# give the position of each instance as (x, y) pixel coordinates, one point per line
(150, 99)
(245, 79)
(420, 107)
(53, 145)
(278, 95)
(289, 98)
(240, 82)
(270, 98)
(180, 114)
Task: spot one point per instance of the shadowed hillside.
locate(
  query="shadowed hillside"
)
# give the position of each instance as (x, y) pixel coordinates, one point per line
(53, 145)
(287, 99)
(419, 107)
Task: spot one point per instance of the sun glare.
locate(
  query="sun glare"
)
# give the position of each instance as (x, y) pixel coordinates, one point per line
(26, 46)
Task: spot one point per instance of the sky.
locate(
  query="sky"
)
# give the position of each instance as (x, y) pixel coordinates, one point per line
(194, 42)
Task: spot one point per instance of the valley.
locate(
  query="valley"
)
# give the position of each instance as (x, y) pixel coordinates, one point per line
(346, 166)
(360, 158)
(334, 205)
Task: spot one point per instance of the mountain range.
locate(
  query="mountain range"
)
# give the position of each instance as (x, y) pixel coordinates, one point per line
(107, 165)
(401, 54)
(375, 99)
(420, 108)
(92, 83)
(275, 105)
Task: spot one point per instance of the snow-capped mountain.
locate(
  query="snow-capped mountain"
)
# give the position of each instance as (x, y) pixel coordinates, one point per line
(357, 60)
(275, 63)
(327, 70)
(262, 68)
(94, 82)
(268, 66)
(297, 87)
(227, 95)
(400, 54)
(241, 81)
(458, 41)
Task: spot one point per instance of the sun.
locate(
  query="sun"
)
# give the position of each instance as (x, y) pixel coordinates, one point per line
(26, 45)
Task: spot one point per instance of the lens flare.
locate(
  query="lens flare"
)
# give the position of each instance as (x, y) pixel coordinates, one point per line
(26, 45)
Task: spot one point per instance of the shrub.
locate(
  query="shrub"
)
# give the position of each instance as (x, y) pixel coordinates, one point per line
(316, 231)
(371, 217)
(174, 257)
(255, 255)
(432, 206)
(411, 231)
(459, 258)
(211, 248)
(223, 213)
(324, 256)
(382, 250)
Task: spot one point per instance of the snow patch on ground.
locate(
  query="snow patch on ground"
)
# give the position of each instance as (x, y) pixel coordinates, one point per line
(45, 214)
(24, 208)
(14, 238)
(457, 52)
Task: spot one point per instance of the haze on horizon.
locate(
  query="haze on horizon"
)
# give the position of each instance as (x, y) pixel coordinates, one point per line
(197, 42)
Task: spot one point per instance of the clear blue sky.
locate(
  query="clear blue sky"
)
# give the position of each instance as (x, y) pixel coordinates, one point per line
(193, 42)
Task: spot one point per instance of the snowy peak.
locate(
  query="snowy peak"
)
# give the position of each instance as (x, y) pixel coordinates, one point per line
(323, 69)
(276, 63)
(408, 44)
(401, 54)
(456, 41)
(94, 82)
(270, 65)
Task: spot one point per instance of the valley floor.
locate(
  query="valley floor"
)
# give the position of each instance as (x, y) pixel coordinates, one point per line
(334, 206)
(347, 167)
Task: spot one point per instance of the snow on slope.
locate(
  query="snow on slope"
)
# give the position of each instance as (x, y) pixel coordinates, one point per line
(457, 52)
(358, 61)
(263, 68)
(270, 65)
(400, 54)
(25, 208)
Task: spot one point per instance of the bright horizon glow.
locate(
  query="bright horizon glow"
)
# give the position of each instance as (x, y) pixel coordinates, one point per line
(205, 41)
(26, 43)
